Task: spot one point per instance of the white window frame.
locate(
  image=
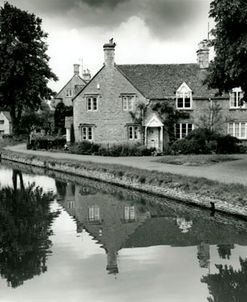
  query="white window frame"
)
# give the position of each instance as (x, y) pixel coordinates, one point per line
(128, 102)
(92, 103)
(236, 129)
(180, 129)
(94, 213)
(87, 133)
(184, 92)
(235, 96)
(133, 132)
(129, 213)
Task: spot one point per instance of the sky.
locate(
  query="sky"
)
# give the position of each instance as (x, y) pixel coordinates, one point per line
(145, 31)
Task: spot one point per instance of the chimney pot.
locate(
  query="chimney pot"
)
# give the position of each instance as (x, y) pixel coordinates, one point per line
(109, 53)
(77, 69)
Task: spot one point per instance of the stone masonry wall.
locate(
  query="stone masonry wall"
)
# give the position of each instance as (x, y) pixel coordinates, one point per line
(110, 120)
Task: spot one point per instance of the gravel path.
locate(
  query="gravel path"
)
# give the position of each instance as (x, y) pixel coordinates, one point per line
(228, 172)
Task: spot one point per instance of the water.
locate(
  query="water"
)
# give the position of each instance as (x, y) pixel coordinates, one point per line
(97, 242)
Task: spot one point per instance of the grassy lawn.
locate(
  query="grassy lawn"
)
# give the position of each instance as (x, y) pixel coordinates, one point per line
(196, 160)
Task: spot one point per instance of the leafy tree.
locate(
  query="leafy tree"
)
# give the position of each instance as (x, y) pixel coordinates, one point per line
(25, 220)
(24, 69)
(60, 113)
(224, 250)
(227, 285)
(229, 67)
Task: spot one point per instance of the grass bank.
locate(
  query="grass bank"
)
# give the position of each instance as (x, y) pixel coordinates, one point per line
(194, 189)
(196, 160)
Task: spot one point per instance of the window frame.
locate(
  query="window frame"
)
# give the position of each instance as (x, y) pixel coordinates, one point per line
(126, 105)
(236, 95)
(92, 103)
(133, 132)
(87, 133)
(184, 93)
(180, 136)
(237, 126)
(2, 122)
(69, 92)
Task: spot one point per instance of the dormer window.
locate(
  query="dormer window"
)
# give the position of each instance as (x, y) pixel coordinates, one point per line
(236, 99)
(184, 97)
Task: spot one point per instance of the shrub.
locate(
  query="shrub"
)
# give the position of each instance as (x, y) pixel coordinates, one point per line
(84, 148)
(228, 144)
(47, 143)
(185, 146)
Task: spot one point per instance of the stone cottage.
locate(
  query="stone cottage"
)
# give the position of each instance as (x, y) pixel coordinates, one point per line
(72, 87)
(122, 103)
(5, 123)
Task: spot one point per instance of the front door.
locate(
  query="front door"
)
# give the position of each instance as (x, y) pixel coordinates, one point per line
(153, 137)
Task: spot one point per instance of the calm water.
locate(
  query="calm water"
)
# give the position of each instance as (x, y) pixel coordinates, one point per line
(97, 242)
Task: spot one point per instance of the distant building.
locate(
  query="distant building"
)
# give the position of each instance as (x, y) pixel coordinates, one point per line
(5, 123)
(116, 106)
(73, 86)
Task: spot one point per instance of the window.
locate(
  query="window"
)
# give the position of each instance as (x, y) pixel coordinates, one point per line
(128, 102)
(133, 132)
(183, 129)
(238, 130)
(87, 133)
(236, 99)
(92, 104)
(1, 122)
(94, 213)
(184, 97)
(129, 213)
(69, 92)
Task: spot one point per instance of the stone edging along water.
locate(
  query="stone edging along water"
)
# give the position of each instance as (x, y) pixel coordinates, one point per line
(128, 182)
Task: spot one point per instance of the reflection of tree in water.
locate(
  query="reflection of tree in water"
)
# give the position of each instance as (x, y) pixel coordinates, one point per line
(224, 250)
(228, 285)
(25, 220)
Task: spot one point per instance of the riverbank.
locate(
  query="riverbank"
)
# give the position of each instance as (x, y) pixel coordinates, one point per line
(202, 192)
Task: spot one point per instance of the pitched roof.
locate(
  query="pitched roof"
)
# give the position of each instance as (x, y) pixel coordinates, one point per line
(158, 81)
(7, 115)
(75, 75)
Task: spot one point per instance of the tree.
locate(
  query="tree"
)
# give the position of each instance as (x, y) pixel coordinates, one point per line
(60, 113)
(24, 69)
(25, 230)
(227, 285)
(229, 67)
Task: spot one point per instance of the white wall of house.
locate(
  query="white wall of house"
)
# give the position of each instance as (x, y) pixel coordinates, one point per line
(5, 125)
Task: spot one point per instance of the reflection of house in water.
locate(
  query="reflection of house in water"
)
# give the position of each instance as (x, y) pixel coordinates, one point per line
(109, 220)
(118, 221)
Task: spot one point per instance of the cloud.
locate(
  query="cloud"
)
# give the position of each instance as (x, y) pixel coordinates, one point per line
(164, 18)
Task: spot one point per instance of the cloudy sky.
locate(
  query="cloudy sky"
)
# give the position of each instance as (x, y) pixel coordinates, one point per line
(146, 31)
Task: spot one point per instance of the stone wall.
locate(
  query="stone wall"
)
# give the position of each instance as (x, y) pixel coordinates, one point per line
(109, 120)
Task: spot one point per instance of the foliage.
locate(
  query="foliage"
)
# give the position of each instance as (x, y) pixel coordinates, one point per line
(25, 221)
(228, 284)
(60, 113)
(84, 148)
(47, 142)
(228, 144)
(229, 67)
(224, 250)
(24, 69)
(212, 119)
(204, 141)
(37, 119)
(87, 148)
(169, 116)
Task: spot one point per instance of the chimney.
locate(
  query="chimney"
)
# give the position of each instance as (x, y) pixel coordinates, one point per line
(86, 75)
(109, 52)
(203, 54)
(76, 69)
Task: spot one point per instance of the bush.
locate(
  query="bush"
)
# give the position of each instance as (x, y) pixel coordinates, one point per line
(185, 146)
(228, 144)
(84, 148)
(47, 143)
